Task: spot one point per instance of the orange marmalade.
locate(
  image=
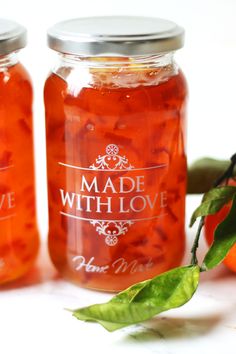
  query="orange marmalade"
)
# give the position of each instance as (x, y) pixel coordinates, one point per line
(18, 230)
(116, 167)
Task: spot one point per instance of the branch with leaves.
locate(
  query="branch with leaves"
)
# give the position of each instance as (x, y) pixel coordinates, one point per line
(176, 287)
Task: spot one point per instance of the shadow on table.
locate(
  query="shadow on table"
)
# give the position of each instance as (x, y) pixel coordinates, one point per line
(43, 271)
(167, 328)
(220, 273)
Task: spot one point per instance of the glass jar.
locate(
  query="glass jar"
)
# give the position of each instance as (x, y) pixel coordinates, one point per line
(19, 239)
(115, 119)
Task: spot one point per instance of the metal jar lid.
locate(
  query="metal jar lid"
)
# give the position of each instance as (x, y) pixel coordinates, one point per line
(120, 35)
(12, 36)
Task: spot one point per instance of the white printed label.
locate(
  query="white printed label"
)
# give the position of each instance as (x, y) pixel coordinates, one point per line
(111, 194)
(7, 197)
(120, 265)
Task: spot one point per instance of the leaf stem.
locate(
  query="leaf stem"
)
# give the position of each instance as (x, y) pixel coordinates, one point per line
(194, 260)
(229, 173)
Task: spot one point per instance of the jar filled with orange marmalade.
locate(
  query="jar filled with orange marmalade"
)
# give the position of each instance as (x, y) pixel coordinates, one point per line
(115, 119)
(18, 230)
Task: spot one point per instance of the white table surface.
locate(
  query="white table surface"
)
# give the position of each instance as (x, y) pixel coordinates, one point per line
(33, 319)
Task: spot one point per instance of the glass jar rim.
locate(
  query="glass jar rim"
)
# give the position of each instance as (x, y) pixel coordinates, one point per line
(115, 35)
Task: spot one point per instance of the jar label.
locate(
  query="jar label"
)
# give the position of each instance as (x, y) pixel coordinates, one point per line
(112, 194)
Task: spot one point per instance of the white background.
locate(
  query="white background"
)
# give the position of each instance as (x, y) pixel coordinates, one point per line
(208, 60)
(32, 318)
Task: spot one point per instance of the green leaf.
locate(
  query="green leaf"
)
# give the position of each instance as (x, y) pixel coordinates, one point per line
(203, 173)
(224, 239)
(213, 201)
(144, 300)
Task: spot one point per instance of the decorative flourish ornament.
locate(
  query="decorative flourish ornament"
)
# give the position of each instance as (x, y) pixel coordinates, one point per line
(111, 160)
(111, 229)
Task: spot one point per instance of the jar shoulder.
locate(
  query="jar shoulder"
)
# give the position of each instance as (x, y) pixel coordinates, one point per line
(183, 80)
(15, 81)
(15, 72)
